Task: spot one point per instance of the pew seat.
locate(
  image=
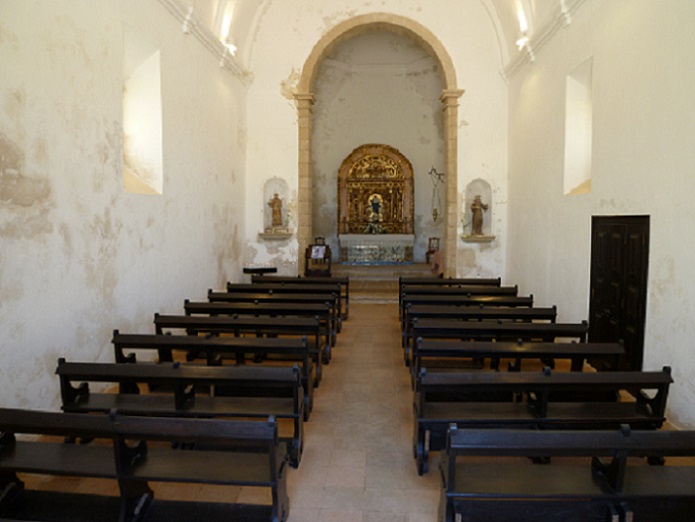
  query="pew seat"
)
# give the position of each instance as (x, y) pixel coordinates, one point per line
(191, 391)
(214, 349)
(534, 400)
(137, 453)
(596, 476)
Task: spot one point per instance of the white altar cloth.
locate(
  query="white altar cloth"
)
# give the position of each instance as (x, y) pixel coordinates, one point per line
(374, 249)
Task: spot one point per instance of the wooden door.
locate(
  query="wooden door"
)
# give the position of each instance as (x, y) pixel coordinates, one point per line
(618, 284)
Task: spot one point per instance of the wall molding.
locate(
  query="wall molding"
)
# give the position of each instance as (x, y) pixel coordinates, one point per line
(541, 37)
(191, 25)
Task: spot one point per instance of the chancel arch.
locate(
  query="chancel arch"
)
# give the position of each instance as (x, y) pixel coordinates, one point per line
(448, 105)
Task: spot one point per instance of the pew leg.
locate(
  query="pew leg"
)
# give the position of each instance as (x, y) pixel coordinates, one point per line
(136, 497)
(297, 441)
(10, 486)
(281, 502)
(420, 449)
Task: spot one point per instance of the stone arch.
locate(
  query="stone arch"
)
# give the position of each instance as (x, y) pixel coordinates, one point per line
(449, 98)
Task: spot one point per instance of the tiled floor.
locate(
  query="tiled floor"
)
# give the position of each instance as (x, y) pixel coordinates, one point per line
(358, 464)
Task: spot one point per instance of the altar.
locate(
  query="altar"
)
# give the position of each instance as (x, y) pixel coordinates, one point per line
(376, 249)
(375, 207)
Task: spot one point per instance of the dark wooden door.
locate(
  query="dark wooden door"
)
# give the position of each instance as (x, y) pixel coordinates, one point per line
(618, 285)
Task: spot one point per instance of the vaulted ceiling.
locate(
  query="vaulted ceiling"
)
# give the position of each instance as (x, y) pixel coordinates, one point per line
(236, 21)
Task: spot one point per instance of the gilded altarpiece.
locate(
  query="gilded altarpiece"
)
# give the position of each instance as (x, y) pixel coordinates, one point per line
(375, 206)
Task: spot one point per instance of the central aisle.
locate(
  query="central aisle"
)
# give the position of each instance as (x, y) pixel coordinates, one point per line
(358, 464)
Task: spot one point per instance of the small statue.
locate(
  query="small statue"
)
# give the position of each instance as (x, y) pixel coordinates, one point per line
(477, 208)
(375, 214)
(276, 205)
(375, 203)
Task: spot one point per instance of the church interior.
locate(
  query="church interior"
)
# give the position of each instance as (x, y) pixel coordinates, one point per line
(153, 151)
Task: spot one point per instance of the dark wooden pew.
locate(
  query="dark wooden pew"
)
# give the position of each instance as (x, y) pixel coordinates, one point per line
(332, 291)
(258, 326)
(534, 400)
(322, 311)
(407, 292)
(593, 476)
(196, 392)
(298, 300)
(132, 455)
(449, 281)
(449, 353)
(445, 281)
(473, 313)
(455, 300)
(490, 330)
(215, 348)
(464, 290)
(344, 283)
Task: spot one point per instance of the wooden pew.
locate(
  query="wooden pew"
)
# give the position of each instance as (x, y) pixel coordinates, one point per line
(258, 326)
(231, 391)
(498, 331)
(455, 300)
(407, 292)
(464, 290)
(331, 291)
(449, 353)
(485, 476)
(449, 281)
(344, 283)
(445, 281)
(473, 313)
(534, 400)
(298, 300)
(215, 348)
(322, 311)
(133, 456)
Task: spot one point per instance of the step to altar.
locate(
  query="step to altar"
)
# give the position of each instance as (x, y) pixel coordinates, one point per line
(378, 283)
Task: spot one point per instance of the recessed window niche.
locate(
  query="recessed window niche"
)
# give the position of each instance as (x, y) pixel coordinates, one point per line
(142, 115)
(578, 130)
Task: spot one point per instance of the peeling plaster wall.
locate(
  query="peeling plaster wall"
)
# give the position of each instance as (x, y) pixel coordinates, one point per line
(643, 164)
(285, 37)
(79, 256)
(378, 87)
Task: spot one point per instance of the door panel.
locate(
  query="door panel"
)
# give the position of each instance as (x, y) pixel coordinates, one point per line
(619, 261)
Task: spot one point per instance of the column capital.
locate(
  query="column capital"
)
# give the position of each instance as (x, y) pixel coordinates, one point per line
(304, 99)
(449, 97)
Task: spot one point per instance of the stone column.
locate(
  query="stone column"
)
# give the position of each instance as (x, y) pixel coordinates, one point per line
(304, 101)
(449, 99)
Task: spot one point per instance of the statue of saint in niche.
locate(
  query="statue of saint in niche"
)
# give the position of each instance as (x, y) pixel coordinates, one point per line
(477, 209)
(375, 214)
(375, 210)
(275, 205)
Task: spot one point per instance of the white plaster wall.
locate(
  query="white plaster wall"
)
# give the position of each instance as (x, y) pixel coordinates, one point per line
(286, 35)
(79, 256)
(643, 163)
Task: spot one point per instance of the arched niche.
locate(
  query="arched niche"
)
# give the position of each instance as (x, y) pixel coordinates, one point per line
(449, 99)
(276, 209)
(477, 212)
